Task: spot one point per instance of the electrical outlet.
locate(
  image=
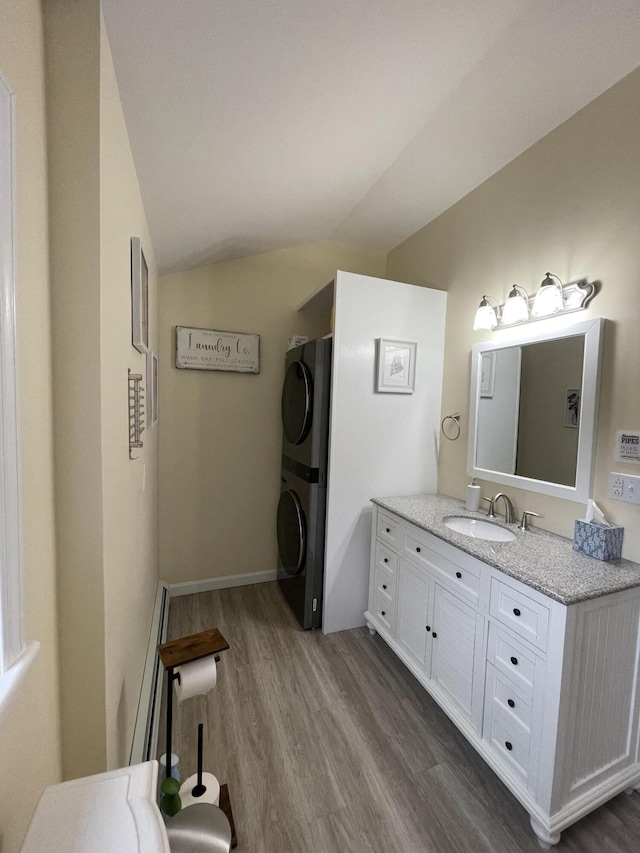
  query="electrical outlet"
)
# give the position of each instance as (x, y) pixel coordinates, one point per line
(624, 487)
(616, 486)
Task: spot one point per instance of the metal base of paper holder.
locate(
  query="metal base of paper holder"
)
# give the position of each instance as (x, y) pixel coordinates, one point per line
(200, 828)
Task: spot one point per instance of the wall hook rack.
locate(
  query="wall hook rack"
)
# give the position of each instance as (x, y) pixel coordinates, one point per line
(136, 411)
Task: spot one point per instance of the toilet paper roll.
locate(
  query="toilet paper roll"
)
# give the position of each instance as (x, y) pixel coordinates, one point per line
(196, 678)
(211, 795)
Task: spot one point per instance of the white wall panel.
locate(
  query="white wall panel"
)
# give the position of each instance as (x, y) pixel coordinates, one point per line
(380, 444)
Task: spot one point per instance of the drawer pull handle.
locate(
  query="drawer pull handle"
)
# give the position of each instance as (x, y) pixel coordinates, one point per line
(384, 586)
(386, 559)
(458, 575)
(514, 661)
(434, 635)
(387, 530)
(509, 745)
(383, 613)
(511, 703)
(418, 550)
(516, 611)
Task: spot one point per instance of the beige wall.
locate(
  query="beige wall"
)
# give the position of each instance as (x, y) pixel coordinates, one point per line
(570, 204)
(29, 735)
(107, 523)
(72, 31)
(130, 487)
(220, 433)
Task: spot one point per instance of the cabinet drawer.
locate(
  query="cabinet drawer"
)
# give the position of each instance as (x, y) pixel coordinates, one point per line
(513, 659)
(465, 581)
(524, 615)
(386, 560)
(388, 529)
(385, 612)
(385, 584)
(510, 741)
(502, 694)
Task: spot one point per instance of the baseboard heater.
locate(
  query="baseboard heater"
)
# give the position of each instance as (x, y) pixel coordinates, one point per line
(145, 736)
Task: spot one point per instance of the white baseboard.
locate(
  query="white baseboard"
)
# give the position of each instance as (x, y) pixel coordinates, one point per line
(191, 587)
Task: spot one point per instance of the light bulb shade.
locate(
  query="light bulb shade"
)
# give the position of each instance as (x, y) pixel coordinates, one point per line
(485, 317)
(516, 309)
(548, 299)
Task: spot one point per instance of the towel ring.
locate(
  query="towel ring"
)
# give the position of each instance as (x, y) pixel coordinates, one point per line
(456, 419)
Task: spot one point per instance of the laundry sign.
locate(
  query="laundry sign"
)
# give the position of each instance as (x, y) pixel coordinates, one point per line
(210, 349)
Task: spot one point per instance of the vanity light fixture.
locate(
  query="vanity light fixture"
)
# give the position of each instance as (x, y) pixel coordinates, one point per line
(549, 299)
(553, 298)
(487, 317)
(516, 308)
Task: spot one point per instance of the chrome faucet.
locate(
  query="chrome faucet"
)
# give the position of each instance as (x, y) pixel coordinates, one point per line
(491, 509)
(509, 509)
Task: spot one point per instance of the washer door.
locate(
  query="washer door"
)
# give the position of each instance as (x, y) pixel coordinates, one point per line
(292, 533)
(296, 402)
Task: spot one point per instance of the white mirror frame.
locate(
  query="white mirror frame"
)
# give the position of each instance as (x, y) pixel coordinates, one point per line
(592, 330)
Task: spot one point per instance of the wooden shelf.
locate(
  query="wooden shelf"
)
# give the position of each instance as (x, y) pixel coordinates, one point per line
(320, 302)
(193, 647)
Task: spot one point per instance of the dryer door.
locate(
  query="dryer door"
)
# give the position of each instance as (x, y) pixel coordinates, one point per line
(297, 402)
(292, 533)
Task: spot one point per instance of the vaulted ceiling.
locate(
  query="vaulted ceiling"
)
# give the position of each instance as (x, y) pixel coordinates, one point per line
(261, 124)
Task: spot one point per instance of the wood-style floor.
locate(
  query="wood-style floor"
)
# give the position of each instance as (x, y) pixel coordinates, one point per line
(329, 745)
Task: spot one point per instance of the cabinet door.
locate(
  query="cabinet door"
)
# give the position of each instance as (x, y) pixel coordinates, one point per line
(414, 612)
(457, 652)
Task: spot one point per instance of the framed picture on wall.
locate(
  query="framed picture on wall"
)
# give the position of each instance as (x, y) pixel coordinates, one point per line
(572, 408)
(139, 297)
(488, 375)
(154, 388)
(151, 396)
(396, 367)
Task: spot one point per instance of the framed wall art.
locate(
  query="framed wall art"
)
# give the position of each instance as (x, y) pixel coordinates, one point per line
(211, 349)
(396, 367)
(488, 375)
(152, 389)
(571, 418)
(139, 297)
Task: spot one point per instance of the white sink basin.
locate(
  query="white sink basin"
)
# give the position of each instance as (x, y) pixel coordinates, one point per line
(477, 528)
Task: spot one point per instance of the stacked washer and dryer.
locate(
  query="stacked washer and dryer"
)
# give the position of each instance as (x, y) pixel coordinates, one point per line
(302, 506)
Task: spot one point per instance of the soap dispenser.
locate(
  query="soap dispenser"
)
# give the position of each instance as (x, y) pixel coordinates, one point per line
(473, 496)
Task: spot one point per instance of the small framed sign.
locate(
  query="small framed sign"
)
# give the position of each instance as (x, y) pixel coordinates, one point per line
(210, 349)
(396, 366)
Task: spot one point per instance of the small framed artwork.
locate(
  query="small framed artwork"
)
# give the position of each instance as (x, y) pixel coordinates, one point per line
(488, 374)
(396, 367)
(154, 386)
(139, 297)
(572, 408)
(152, 389)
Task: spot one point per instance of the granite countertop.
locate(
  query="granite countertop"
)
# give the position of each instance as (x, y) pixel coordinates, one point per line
(542, 560)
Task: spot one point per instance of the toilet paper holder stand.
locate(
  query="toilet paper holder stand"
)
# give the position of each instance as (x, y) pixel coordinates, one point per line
(180, 652)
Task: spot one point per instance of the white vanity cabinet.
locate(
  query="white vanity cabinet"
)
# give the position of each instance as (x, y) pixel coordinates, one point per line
(442, 635)
(545, 692)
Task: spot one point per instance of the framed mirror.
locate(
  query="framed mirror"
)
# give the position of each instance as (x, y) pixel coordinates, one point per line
(533, 410)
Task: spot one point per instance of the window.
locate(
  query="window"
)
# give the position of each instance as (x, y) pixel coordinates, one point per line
(14, 658)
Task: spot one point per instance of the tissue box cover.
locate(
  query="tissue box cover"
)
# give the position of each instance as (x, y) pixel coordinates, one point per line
(603, 543)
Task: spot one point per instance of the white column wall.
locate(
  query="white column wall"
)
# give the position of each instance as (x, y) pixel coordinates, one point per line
(380, 444)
